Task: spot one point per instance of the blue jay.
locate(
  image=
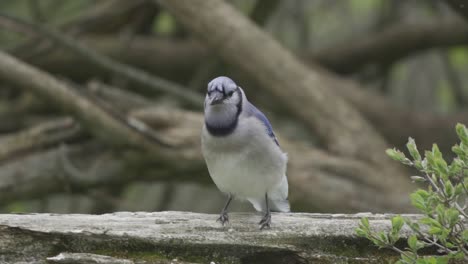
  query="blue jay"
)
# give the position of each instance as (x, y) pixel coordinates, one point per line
(241, 151)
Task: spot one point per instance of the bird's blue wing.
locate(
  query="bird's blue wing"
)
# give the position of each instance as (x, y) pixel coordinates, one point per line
(253, 111)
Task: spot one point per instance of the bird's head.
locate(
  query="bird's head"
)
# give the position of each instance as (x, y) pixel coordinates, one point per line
(222, 92)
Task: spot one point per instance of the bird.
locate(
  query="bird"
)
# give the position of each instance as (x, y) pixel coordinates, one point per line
(241, 151)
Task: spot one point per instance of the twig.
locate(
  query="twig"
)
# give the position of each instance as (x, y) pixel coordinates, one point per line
(139, 76)
(44, 134)
(124, 100)
(100, 122)
(85, 21)
(461, 210)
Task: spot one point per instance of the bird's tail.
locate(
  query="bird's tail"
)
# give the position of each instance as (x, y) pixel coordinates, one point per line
(277, 199)
(281, 206)
(275, 205)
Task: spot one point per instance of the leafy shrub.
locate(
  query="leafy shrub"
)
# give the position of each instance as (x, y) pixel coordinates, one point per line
(443, 203)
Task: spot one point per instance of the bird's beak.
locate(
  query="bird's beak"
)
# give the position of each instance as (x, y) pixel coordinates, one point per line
(216, 98)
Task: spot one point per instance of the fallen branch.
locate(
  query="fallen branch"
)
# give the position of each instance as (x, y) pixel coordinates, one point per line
(43, 135)
(176, 59)
(82, 168)
(94, 117)
(181, 57)
(390, 45)
(197, 238)
(113, 66)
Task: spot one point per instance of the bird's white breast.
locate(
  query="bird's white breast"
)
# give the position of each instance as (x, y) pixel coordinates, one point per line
(246, 163)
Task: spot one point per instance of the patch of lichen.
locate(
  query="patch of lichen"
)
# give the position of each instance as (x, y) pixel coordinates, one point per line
(340, 249)
(146, 249)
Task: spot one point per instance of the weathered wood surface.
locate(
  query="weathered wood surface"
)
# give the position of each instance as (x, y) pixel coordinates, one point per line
(183, 237)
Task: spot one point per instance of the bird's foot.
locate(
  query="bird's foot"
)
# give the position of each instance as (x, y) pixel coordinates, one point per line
(265, 222)
(223, 218)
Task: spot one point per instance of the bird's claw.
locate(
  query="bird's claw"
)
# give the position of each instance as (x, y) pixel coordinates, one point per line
(265, 222)
(223, 218)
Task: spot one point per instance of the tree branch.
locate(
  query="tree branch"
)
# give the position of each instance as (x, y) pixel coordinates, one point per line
(96, 119)
(390, 45)
(459, 6)
(181, 57)
(115, 67)
(43, 135)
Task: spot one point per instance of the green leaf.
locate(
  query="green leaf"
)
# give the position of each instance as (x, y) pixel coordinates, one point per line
(436, 152)
(396, 155)
(427, 260)
(413, 150)
(465, 236)
(408, 257)
(418, 164)
(449, 245)
(423, 193)
(429, 160)
(435, 230)
(442, 260)
(449, 190)
(440, 211)
(430, 221)
(360, 232)
(418, 202)
(458, 255)
(417, 179)
(459, 151)
(365, 223)
(413, 225)
(397, 224)
(452, 216)
(456, 167)
(393, 237)
(462, 133)
(423, 261)
(458, 189)
(412, 243)
(384, 238)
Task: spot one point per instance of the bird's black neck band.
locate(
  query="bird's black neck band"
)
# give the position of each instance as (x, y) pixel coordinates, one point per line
(221, 130)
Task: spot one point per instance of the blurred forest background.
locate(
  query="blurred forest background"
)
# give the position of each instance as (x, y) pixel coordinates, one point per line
(101, 101)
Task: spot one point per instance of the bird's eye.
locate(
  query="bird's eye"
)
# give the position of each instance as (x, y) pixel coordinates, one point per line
(230, 93)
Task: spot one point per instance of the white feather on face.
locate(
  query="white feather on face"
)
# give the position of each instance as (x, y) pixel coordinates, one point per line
(223, 104)
(222, 112)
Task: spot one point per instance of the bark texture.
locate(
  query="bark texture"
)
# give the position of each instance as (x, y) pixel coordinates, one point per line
(182, 237)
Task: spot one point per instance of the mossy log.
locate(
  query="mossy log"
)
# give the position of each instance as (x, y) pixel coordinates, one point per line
(184, 237)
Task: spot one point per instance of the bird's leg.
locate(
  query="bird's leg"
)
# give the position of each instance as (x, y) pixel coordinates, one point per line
(223, 217)
(266, 220)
